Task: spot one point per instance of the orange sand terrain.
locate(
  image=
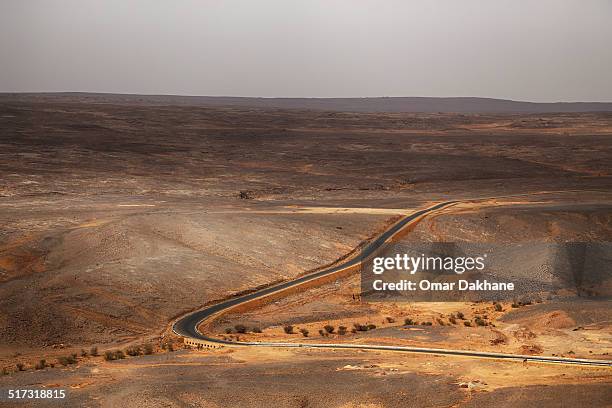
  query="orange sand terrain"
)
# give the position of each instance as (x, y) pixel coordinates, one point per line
(117, 218)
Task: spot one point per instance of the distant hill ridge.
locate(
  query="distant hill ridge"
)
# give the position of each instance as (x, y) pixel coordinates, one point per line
(374, 104)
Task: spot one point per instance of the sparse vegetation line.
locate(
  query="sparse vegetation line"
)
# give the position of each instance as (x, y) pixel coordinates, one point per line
(187, 326)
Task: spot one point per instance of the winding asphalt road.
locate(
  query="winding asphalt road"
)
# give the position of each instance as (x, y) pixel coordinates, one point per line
(187, 326)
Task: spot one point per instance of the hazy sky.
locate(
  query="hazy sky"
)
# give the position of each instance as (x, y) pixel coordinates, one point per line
(539, 50)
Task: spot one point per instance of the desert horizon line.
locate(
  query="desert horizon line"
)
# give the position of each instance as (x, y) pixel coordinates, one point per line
(493, 98)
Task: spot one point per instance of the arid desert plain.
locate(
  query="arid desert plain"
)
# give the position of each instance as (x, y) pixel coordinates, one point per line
(119, 217)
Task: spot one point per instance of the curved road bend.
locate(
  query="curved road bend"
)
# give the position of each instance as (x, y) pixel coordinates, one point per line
(187, 326)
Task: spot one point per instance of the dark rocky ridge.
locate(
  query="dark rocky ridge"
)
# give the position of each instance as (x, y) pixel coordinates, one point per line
(374, 104)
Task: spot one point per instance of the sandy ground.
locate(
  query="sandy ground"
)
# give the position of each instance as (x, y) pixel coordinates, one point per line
(115, 219)
(292, 378)
(560, 325)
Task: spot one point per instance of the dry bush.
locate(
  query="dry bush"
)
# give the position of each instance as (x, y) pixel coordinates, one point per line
(133, 351)
(360, 327)
(148, 349)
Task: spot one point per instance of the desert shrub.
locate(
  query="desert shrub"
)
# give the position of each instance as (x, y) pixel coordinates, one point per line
(498, 307)
(5, 371)
(467, 323)
(342, 330)
(114, 355)
(20, 367)
(288, 329)
(360, 327)
(240, 328)
(440, 322)
(170, 346)
(479, 321)
(245, 195)
(41, 364)
(322, 332)
(408, 322)
(148, 349)
(228, 330)
(452, 320)
(133, 351)
(256, 329)
(304, 332)
(94, 351)
(71, 359)
(460, 315)
(514, 305)
(329, 328)
(371, 326)
(83, 353)
(426, 323)
(390, 319)
(353, 330)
